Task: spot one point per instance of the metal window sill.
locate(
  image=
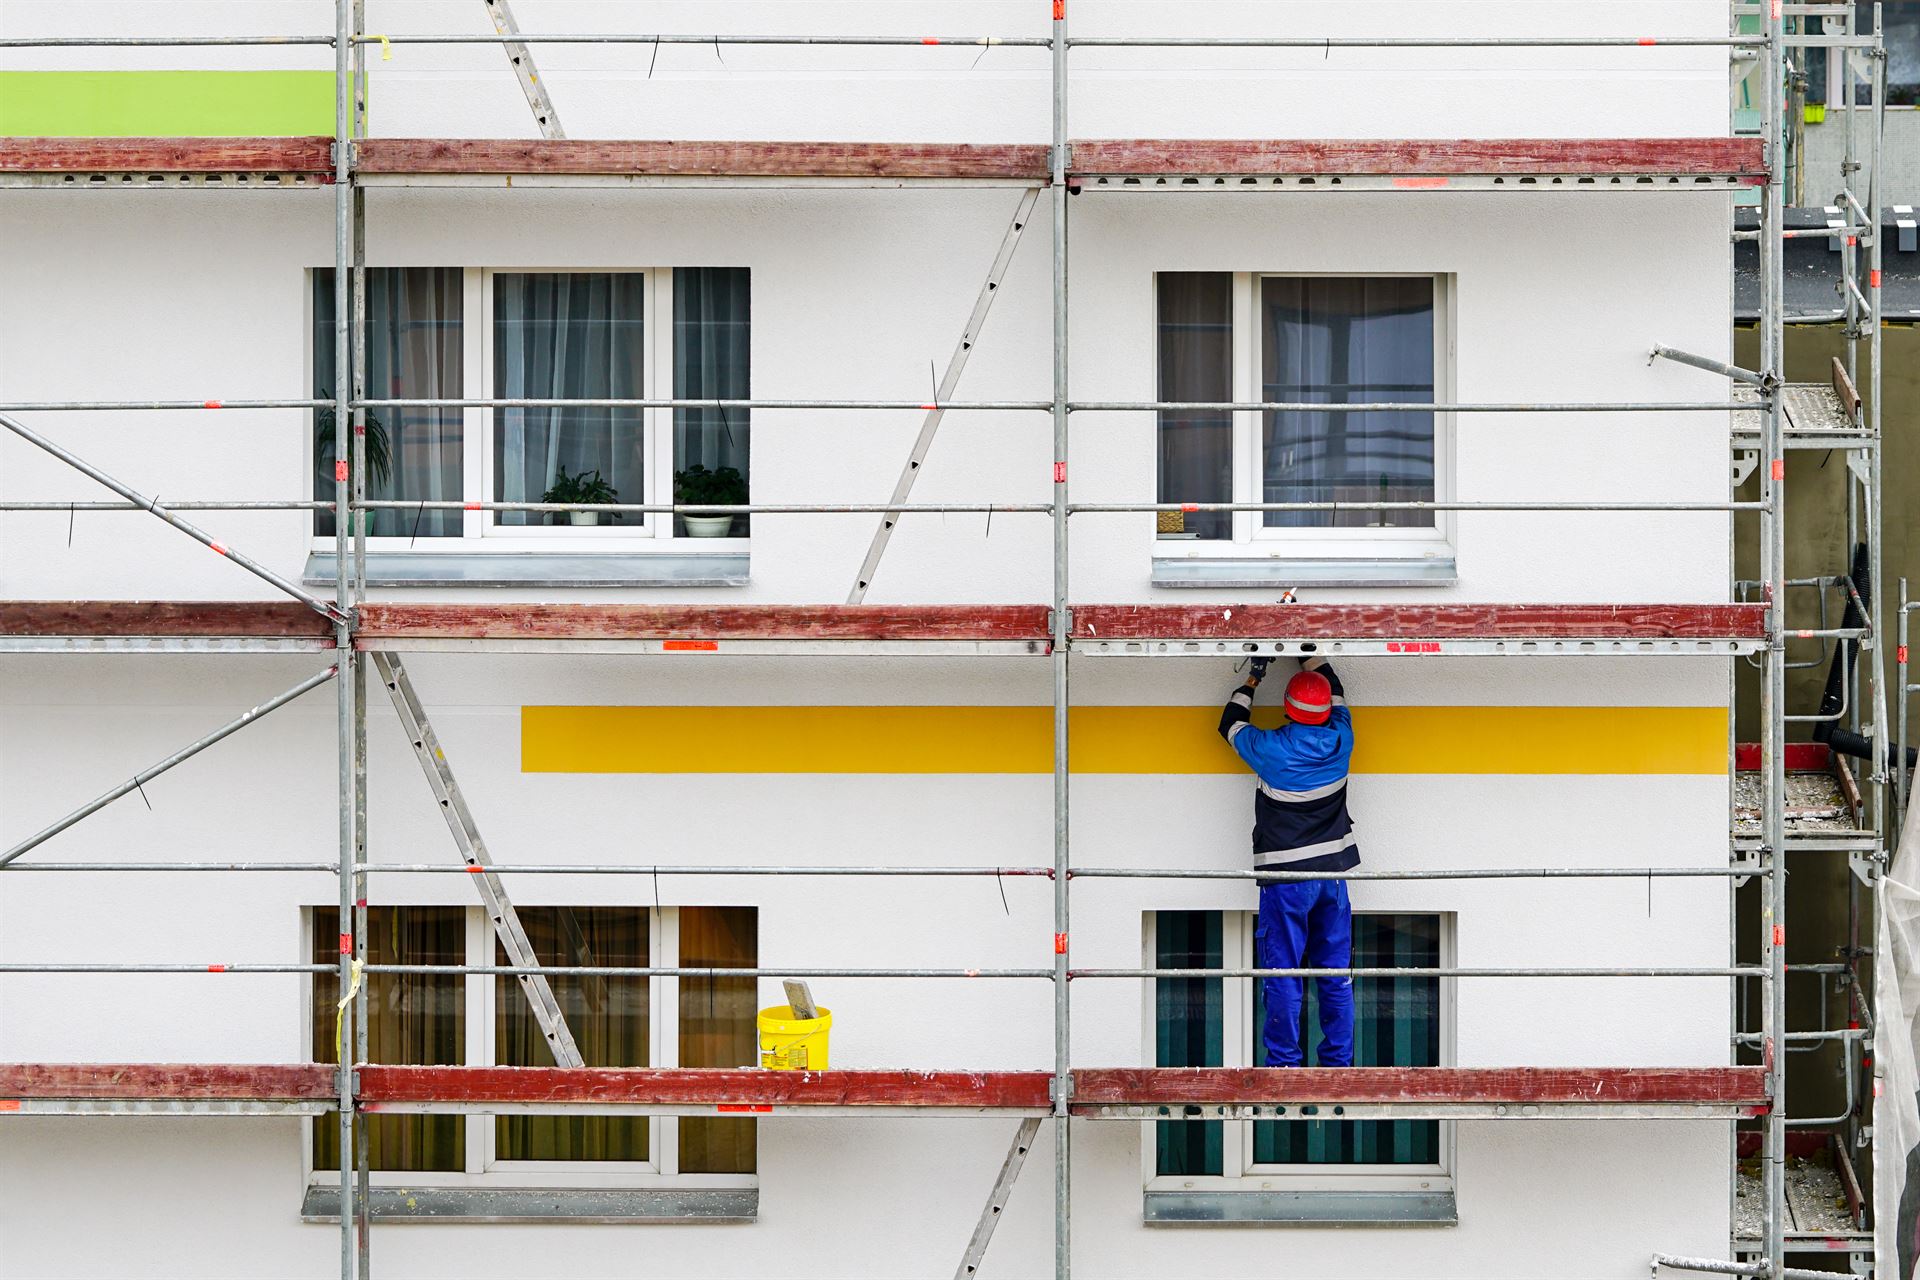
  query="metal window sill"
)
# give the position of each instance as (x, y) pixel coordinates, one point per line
(534, 1204)
(1328, 1208)
(541, 569)
(1246, 571)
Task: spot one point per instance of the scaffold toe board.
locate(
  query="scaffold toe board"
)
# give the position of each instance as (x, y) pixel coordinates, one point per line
(700, 1091)
(178, 1082)
(1418, 1092)
(1439, 163)
(702, 628)
(309, 158)
(143, 626)
(1390, 629)
(1022, 164)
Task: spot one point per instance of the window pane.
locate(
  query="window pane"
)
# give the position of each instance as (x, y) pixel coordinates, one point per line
(1903, 49)
(717, 1027)
(712, 339)
(607, 1016)
(1396, 1023)
(413, 350)
(568, 336)
(1196, 363)
(413, 1019)
(1347, 341)
(1187, 1031)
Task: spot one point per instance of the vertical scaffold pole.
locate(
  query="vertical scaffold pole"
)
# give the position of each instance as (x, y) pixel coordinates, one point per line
(363, 1148)
(1062, 1015)
(1773, 690)
(343, 597)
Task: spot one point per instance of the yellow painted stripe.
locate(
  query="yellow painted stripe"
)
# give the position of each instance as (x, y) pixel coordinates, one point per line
(1131, 740)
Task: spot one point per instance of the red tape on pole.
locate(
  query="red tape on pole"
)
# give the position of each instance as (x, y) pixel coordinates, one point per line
(1059, 944)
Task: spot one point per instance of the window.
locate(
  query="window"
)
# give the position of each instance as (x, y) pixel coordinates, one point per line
(618, 335)
(1302, 340)
(1370, 1170)
(435, 1019)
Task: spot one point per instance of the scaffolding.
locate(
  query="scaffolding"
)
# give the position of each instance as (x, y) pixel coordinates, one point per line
(1770, 417)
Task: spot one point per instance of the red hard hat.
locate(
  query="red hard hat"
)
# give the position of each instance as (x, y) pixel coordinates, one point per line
(1309, 698)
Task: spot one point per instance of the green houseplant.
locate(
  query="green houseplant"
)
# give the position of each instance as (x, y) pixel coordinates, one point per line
(698, 487)
(585, 486)
(379, 451)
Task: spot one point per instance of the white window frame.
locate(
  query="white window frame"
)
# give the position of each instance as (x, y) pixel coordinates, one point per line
(1237, 1032)
(481, 531)
(1251, 538)
(484, 1168)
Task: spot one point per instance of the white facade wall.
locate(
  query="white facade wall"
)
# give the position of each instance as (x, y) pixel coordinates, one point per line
(200, 295)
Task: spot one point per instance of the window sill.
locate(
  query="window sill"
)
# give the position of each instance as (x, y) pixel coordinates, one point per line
(1290, 571)
(535, 1204)
(540, 569)
(1328, 1208)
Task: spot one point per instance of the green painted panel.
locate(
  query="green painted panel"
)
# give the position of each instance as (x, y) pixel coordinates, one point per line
(175, 104)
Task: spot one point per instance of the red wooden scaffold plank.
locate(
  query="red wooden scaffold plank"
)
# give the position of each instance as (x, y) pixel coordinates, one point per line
(1415, 157)
(703, 622)
(1195, 1086)
(311, 156)
(716, 159)
(1403, 622)
(182, 1081)
(1094, 1088)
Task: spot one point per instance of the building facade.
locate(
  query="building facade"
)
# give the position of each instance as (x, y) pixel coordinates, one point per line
(563, 287)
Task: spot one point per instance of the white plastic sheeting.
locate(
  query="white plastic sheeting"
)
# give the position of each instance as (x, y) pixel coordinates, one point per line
(1896, 1086)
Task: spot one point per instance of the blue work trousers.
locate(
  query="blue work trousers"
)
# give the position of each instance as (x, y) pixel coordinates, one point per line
(1306, 924)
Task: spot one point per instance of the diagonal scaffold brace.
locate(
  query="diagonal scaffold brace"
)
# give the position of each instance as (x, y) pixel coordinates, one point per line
(148, 774)
(500, 909)
(997, 1200)
(522, 59)
(152, 507)
(956, 365)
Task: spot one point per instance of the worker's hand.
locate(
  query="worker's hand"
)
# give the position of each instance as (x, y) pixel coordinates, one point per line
(1313, 664)
(1256, 671)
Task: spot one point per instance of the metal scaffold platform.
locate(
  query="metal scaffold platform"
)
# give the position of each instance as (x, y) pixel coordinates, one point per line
(351, 632)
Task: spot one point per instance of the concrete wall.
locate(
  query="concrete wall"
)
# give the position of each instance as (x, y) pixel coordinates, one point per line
(187, 294)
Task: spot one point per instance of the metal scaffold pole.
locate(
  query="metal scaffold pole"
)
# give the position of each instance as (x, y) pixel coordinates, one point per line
(1773, 688)
(343, 263)
(1062, 629)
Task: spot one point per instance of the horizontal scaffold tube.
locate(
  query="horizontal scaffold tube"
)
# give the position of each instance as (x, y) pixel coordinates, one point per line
(558, 402)
(717, 508)
(1464, 873)
(1115, 507)
(604, 869)
(507, 970)
(1399, 406)
(210, 505)
(115, 406)
(1412, 42)
(1730, 971)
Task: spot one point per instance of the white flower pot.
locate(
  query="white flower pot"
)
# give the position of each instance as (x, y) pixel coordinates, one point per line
(708, 526)
(579, 518)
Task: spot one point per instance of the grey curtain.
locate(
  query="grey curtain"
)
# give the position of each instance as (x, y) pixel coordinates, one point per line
(712, 341)
(413, 350)
(1196, 363)
(1347, 340)
(568, 335)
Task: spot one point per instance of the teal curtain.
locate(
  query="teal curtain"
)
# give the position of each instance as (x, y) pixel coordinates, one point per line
(1396, 1023)
(1187, 1031)
(712, 348)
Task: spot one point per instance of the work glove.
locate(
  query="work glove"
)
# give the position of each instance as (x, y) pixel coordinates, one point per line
(1257, 670)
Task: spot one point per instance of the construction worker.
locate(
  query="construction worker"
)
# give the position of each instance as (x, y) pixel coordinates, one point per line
(1300, 823)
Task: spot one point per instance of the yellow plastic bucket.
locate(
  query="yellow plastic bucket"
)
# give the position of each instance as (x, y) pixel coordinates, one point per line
(788, 1043)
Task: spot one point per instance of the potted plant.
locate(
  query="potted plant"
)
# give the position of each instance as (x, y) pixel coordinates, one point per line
(699, 487)
(379, 453)
(586, 486)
